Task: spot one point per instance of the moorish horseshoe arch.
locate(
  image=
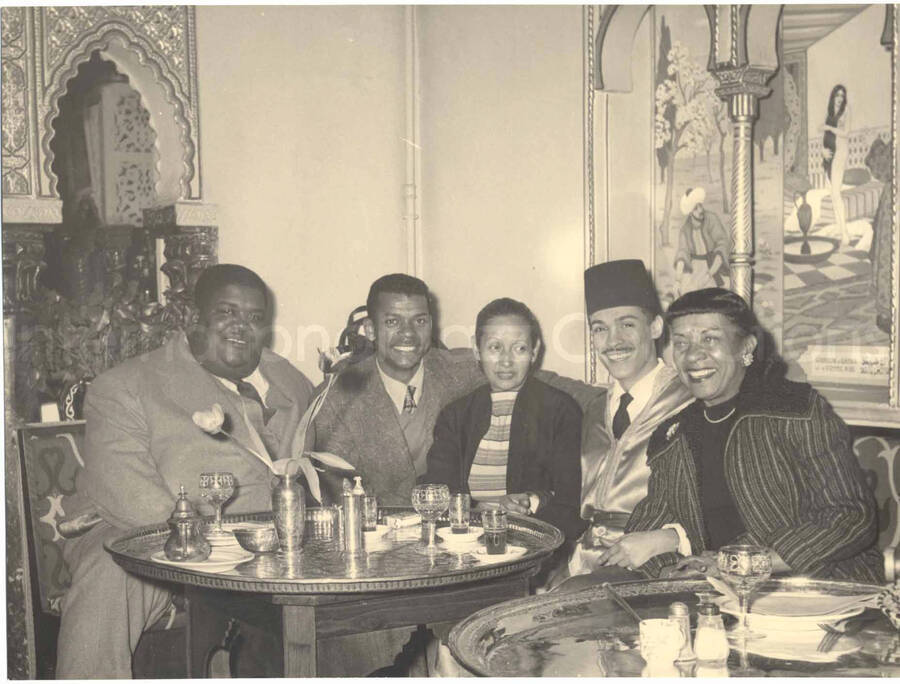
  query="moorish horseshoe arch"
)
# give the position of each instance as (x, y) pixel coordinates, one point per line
(148, 73)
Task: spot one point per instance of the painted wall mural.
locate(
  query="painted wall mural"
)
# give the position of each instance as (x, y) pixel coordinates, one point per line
(837, 210)
(692, 179)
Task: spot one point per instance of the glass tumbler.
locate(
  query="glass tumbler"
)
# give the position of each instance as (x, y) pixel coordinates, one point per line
(370, 513)
(460, 506)
(495, 531)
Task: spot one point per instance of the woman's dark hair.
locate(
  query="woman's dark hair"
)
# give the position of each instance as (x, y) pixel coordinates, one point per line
(831, 119)
(506, 307)
(767, 365)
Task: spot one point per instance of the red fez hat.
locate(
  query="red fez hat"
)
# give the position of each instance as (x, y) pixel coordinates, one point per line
(619, 283)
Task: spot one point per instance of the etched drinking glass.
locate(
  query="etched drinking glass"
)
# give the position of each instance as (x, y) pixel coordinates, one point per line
(430, 500)
(744, 567)
(217, 488)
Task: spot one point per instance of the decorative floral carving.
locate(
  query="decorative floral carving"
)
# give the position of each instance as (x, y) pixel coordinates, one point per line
(134, 191)
(15, 130)
(163, 27)
(15, 183)
(12, 25)
(132, 125)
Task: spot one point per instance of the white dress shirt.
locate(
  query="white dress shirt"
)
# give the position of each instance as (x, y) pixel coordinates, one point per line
(640, 393)
(397, 390)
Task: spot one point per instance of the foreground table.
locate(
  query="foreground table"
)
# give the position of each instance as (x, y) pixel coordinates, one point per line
(281, 606)
(586, 634)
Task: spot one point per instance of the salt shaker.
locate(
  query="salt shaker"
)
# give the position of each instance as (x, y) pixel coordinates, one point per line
(710, 643)
(680, 615)
(353, 518)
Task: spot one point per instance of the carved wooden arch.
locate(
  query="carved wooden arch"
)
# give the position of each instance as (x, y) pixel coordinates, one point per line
(160, 93)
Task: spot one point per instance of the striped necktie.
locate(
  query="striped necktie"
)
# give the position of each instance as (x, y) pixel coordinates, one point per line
(409, 402)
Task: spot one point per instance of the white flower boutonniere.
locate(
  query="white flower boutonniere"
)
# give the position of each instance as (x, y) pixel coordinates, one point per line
(670, 433)
(212, 421)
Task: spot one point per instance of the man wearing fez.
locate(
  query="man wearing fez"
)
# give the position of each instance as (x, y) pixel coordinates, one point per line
(141, 445)
(625, 322)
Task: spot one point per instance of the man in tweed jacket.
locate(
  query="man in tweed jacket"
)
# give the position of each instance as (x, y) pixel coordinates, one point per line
(380, 413)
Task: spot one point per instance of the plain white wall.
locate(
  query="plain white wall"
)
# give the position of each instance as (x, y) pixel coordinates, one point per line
(302, 119)
(502, 197)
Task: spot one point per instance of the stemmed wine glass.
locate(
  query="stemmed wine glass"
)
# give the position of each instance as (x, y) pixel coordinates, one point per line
(430, 500)
(744, 567)
(217, 488)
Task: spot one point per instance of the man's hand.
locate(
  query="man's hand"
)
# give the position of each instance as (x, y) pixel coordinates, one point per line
(635, 549)
(516, 503)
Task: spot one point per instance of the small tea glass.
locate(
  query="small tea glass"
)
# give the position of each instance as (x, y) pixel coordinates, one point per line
(370, 513)
(496, 528)
(460, 507)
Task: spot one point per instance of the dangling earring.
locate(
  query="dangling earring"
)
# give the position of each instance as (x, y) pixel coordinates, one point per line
(747, 358)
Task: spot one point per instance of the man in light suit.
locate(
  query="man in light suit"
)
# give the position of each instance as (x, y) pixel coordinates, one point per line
(624, 314)
(141, 445)
(380, 413)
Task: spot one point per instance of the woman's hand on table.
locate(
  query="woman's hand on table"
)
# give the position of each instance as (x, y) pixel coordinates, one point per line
(636, 548)
(693, 566)
(516, 503)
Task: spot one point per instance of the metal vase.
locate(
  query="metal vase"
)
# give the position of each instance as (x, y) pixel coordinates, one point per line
(289, 512)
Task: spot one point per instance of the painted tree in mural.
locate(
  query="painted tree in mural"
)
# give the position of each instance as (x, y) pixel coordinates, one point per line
(772, 122)
(667, 113)
(685, 90)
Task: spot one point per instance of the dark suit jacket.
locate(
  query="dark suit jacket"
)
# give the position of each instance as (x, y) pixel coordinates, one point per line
(544, 449)
(791, 470)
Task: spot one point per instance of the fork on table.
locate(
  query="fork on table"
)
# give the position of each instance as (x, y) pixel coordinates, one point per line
(833, 634)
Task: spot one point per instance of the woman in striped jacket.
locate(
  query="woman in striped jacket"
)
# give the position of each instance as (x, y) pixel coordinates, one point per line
(755, 459)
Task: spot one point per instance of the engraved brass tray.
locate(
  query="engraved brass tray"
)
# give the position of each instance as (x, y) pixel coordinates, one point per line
(585, 633)
(322, 568)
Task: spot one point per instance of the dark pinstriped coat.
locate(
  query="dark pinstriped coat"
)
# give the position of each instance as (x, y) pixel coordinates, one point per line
(790, 468)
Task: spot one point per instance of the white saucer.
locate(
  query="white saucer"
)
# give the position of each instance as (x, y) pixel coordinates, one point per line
(461, 541)
(220, 560)
(511, 552)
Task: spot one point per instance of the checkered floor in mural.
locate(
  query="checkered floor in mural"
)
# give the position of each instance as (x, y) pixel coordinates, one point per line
(846, 264)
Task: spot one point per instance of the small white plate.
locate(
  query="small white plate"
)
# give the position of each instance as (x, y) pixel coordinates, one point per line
(220, 560)
(511, 552)
(802, 646)
(799, 613)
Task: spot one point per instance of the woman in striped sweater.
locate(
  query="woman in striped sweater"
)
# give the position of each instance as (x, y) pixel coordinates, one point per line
(755, 459)
(516, 441)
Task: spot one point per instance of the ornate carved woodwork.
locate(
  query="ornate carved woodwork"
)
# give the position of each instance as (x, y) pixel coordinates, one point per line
(42, 48)
(191, 245)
